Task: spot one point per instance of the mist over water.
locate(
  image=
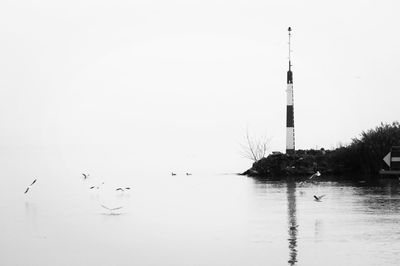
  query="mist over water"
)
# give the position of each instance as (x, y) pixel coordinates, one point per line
(131, 91)
(202, 219)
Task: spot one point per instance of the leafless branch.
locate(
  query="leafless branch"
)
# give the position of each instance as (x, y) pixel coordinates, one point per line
(255, 148)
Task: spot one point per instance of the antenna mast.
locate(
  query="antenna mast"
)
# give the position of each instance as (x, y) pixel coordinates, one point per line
(290, 35)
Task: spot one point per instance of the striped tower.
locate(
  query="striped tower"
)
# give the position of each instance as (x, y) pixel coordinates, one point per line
(289, 108)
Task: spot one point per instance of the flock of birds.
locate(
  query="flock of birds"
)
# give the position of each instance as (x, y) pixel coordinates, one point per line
(174, 174)
(85, 177)
(98, 186)
(122, 189)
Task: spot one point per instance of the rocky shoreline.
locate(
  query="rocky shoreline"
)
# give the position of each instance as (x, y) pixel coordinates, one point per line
(302, 163)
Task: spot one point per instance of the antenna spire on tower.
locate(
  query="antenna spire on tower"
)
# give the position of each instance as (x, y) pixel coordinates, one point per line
(290, 35)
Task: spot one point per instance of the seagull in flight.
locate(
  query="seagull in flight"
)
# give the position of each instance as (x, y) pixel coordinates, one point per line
(318, 198)
(111, 209)
(27, 189)
(122, 189)
(173, 174)
(92, 187)
(85, 176)
(316, 174)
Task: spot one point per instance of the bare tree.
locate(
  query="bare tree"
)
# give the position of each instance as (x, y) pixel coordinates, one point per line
(255, 148)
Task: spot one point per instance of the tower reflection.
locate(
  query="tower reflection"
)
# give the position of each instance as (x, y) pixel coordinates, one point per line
(292, 222)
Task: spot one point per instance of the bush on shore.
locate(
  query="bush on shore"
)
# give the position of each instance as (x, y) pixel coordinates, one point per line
(362, 158)
(365, 154)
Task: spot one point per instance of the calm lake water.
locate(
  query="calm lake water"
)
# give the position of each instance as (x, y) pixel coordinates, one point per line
(197, 220)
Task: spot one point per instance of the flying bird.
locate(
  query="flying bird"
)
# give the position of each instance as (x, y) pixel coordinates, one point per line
(318, 198)
(188, 174)
(173, 174)
(92, 187)
(122, 189)
(27, 189)
(85, 176)
(111, 209)
(316, 174)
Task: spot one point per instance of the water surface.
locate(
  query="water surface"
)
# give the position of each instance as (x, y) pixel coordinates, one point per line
(197, 220)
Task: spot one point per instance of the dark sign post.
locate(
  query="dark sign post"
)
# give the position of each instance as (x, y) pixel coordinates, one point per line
(392, 159)
(395, 158)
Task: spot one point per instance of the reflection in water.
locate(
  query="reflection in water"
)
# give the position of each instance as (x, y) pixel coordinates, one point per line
(292, 222)
(318, 230)
(112, 213)
(355, 225)
(30, 213)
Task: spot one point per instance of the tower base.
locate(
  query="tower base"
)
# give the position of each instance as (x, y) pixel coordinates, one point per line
(290, 151)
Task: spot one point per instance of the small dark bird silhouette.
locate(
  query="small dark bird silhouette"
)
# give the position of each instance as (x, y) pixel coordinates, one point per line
(173, 174)
(122, 189)
(318, 198)
(188, 174)
(85, 176)
(98, 187)
(27, 189)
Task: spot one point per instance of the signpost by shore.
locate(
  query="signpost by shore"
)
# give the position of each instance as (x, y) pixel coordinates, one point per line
(392, 159)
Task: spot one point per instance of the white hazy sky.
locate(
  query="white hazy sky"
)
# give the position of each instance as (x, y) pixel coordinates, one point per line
(174, 84)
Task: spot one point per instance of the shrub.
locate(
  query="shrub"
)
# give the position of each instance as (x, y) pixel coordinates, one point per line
(364, 155)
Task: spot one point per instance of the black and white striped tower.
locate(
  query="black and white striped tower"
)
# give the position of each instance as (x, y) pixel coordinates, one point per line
(290, 106)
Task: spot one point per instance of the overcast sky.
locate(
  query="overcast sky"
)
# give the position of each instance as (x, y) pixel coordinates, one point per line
(175, 84)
